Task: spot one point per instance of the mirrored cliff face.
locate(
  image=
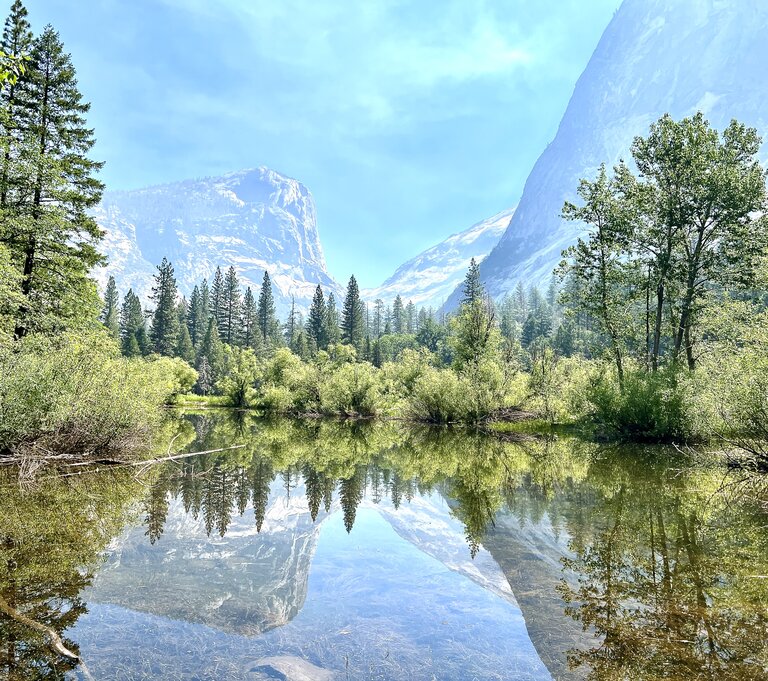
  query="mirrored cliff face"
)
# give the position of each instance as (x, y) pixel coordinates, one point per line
(338, 550)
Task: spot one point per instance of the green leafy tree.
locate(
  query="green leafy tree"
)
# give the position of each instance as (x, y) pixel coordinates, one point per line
(709, 190)
(164, 331)
(352, 322)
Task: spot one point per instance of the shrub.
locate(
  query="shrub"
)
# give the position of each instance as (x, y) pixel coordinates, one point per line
(438, 396)
(74, 394)
(351, 389)
(649, 407)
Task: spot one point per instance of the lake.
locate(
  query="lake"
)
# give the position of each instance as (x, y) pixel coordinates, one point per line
(329, 550)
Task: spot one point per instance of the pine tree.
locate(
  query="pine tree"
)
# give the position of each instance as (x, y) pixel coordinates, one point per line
(332, 320)
(230, 330)
(205, 308)
(473, 288)
(184, 347)
(212, 350)
(249, 319)
(317, 321)
(410, 318)
(352, 316)
(110, 313)
(50, 229)
(378, 318)
(398, 316)
(195, 319)
(164, 332)
(132, 332)
(217, 310)
(291, 326)
(17, 41)
(268, 324)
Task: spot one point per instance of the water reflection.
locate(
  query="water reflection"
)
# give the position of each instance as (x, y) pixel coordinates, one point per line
(625, 563)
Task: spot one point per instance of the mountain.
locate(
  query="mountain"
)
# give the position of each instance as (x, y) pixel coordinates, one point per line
(255, 220)
(655, 57)
(430, 277)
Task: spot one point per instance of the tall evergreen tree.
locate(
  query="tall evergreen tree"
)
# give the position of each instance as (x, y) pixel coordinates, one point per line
(410, 318)
(291, 326)
(398, 316)
(212, 350)
(196, 322)
(133, 338)
(378, 318)
(473, 288)
(332, 320)
(230, 329)
(352, 323)
(184, 347)
(249, 319)
(217, 305)
(317, 321)
(164, 332)
(110, 313)
(17, 40)
(46, 221)
(268, 325)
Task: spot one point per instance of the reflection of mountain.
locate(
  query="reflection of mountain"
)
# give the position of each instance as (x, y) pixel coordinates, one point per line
(244, 582)
(426, 522)
(529, 554)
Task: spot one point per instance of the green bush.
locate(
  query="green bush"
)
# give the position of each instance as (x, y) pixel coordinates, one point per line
(438, 396)
(648, 407)
(351, 389)
(74, 394)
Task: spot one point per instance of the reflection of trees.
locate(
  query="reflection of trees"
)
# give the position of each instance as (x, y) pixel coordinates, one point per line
(51, 538)
(666, 577)
(662, 575)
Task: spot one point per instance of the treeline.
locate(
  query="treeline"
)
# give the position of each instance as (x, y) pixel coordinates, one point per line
(223, 313)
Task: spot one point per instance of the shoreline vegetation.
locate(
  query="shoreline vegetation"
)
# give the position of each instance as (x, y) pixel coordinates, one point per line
(653, 329)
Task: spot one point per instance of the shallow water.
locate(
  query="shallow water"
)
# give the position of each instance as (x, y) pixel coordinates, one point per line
(376, 551)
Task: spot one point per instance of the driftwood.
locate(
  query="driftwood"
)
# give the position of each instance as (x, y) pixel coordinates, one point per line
(54, 640)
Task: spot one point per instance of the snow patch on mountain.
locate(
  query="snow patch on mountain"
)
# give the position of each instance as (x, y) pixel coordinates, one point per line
(256, 220)
(430, 277)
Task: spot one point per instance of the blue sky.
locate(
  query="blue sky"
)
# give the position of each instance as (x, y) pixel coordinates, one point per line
(407, 120)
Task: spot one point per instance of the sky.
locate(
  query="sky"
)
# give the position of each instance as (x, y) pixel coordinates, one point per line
(408, 120)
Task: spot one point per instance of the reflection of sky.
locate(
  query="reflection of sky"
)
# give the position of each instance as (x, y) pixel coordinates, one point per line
(377, 607)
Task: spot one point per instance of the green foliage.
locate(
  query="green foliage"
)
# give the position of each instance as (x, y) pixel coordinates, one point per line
(649, 407)
(351, 389)
(75, 394)
(164, 331)
(241, 373)
(439, 397)
(352, 319)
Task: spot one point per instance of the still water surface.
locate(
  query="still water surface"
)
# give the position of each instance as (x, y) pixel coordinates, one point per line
(324, 551)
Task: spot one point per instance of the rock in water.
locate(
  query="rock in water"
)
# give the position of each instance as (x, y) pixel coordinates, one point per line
(288, 668)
